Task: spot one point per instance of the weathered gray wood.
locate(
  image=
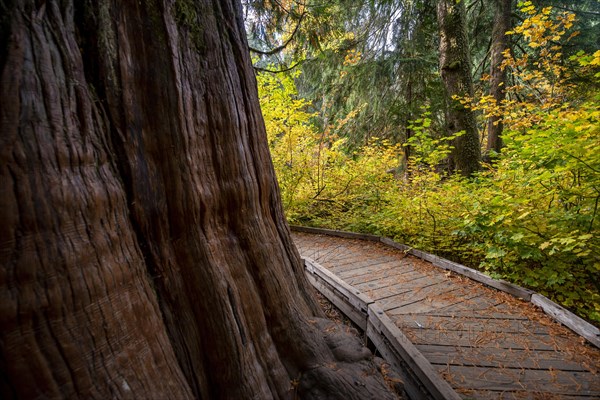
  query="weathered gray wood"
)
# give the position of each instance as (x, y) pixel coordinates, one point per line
(567, 318)
(474, 274)
(379, 291)
(500, 341)
(331, 232)
(482, 329)
(397, 349)
(351, 302)
(389, 278)
(341, 255)
(490, 357)
(339, 300)
(482, 306)
(353, 260)
(483, 314)
(425, 299)
(348, 299)
(507, 287)
(364, 266)
(515, 395)
(535, 381)
(471, 324)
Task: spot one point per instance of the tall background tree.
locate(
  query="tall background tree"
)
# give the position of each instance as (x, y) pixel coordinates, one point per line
(499, 43)
(455, 70)
(144, 251)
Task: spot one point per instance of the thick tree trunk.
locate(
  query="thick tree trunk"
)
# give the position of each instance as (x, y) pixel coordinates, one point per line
(502, 24)
(143, 247)
(455, 69)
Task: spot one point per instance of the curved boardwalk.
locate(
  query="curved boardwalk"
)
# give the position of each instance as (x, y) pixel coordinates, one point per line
(487, 344)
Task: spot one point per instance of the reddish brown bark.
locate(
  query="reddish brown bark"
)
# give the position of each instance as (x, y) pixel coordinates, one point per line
(144, 250)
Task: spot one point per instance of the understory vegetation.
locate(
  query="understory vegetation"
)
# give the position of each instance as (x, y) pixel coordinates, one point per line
(529, 216)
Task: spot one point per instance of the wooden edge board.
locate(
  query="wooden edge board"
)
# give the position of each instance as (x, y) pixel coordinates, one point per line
(353, 295)
(567, 318)
(348, 309)
(389, 242)
(460, 269)
(555, 311)
(387, 337)
(379, 324)
(502, 285)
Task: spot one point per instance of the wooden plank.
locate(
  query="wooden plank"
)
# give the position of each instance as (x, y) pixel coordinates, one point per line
(382, 289)
(567, 318)
(478, 276)
(368, 265)
(387, 278)
(400, 285)
(362, 259)
(472, 324)
(331, 232)
(367, 273)
(507, 379)
(482, 306)
(392, 270)
(397, 349)
(435, 305)
(517, 395)
(443, 263)
(424, 299)
(343, 255)
(483, 314)
(491, 357)
(482, 339)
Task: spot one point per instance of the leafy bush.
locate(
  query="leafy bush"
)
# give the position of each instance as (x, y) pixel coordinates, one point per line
(531, 218)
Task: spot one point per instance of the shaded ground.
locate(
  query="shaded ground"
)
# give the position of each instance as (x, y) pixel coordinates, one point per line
(341, 323)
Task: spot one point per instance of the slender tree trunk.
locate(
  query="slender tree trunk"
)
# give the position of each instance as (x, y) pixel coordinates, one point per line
(143, 246)
(455, 69)
(502, 24)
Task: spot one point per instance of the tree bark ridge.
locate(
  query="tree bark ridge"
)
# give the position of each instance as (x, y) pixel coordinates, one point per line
(78, 316)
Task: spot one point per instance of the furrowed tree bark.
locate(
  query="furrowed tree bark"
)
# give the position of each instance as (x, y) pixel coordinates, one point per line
(502, 24)
(143, 246)
(455, 70)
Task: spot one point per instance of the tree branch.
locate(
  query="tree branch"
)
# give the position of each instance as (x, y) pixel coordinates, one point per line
(281, 70)
(284, 45)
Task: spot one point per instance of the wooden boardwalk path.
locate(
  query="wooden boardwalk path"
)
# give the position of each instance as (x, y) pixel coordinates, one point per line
(485, 343)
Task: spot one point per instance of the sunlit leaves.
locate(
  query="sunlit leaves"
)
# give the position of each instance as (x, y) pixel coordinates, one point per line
(531, 218)
(317, 174)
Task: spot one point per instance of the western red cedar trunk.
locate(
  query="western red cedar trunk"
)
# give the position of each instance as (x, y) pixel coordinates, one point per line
(143, 246)
(502, 23)
(455, 70)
